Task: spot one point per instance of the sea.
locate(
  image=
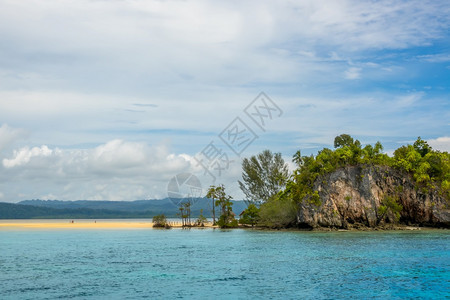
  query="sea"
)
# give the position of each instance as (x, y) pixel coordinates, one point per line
(223, 264)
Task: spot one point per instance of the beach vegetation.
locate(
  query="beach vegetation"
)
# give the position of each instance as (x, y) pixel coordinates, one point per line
(160, 221)
(279, 198)
(428, 168)
(201, 220)
(263, 176)
(278, 212)
(185, 213)
(223, 202)
(212, 194)
(250, 216)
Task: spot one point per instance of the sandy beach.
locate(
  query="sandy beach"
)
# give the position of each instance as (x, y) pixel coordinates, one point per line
(82, 224)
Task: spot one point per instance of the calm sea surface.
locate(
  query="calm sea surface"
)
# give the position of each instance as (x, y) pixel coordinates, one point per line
(223, 264)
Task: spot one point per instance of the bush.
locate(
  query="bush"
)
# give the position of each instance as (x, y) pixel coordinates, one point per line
(250, 216)
(278, 213)
(160, 221)
(201, 219)
(229, 222)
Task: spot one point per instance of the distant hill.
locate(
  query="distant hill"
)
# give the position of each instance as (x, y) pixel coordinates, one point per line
(19, 211)
(139, 205)
(86, 209)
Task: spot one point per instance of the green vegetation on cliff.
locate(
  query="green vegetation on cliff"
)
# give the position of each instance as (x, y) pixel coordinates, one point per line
(429, 169)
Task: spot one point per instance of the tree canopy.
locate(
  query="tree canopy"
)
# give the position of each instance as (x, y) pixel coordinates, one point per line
(223, 201)
(278, 197)
(264, 175)
(429, 168)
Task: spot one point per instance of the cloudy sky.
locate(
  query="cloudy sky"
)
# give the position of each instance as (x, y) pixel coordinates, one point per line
(111, 99)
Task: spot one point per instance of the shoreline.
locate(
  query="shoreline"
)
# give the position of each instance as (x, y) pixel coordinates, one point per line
(12, 224)
(86, 224)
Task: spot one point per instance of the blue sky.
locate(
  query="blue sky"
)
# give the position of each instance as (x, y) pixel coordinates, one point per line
(109, 100)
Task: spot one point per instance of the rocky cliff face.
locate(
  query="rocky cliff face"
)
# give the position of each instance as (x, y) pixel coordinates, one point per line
(353, 195)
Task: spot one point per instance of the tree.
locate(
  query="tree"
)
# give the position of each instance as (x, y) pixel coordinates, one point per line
(250, 215)
(187, 209)
(297, 158)
(213, 194)
(278, 212)
(389, 208)
(160, 221)
(264, 175)
(201, 219)
(422, 147)
(183, 214)
(223, 201)
(343, 140)
(348, 150)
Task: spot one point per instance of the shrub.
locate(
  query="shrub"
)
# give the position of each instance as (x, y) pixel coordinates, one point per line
(160, 221)
(278, 213)
(227, 222)
(250, 216)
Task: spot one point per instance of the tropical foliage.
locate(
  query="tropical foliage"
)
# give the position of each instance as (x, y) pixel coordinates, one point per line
(223, 201)
(389, 208)
(250, 216)
(264, 175)
(160, 221)
(429, 168)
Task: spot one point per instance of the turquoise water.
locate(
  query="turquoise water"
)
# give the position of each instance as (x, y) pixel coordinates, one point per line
(217, 264)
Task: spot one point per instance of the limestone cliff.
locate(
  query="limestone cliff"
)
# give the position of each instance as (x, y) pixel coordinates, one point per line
(353, 195)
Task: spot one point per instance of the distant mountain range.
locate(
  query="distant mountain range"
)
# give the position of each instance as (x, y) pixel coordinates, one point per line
(87, 209)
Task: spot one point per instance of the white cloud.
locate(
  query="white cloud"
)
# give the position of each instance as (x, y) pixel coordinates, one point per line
(435, 58)
(118, 154)
(116, 170)
(76, 74)
(23, 156)
(353, 73)
(135, 45)
(440, 143)
(408, 100)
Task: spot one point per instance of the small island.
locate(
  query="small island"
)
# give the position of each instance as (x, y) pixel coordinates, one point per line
(350, 187)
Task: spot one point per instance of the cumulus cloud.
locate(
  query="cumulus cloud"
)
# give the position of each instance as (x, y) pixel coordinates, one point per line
(114, 158)
(440, 143)
(76, 74)
(23, 156)
(116, 170)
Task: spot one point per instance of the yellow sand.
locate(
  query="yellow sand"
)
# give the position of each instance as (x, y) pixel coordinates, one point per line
(80, 224)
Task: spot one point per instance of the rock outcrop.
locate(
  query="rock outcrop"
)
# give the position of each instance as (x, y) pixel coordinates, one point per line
(351, 196)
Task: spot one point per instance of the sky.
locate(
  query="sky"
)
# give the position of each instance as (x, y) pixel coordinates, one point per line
(110, 100)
